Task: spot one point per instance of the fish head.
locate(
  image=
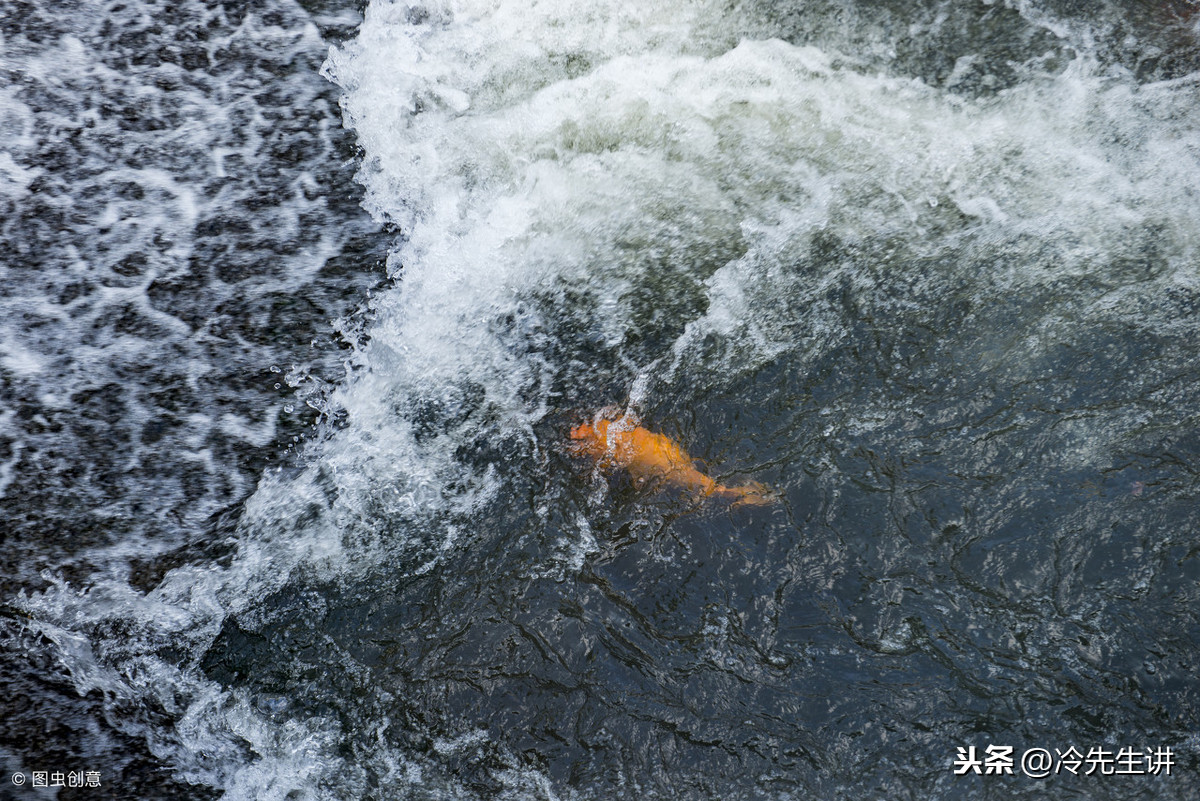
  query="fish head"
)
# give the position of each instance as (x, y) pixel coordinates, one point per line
(590, 440)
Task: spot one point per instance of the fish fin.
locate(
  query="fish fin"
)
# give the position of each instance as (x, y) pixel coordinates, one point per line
(752, 494)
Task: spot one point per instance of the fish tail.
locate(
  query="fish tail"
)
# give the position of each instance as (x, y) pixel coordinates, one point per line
(752, 494)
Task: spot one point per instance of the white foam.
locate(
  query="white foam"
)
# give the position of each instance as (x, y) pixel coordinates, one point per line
(525, 149)
(15, 178)
(500, 199)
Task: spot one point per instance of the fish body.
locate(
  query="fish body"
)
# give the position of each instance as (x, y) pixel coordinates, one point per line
(648, 456)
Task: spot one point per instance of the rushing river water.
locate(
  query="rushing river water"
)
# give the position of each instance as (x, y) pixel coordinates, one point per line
(286, 511)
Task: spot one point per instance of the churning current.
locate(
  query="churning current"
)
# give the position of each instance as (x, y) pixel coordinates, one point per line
(303, 301)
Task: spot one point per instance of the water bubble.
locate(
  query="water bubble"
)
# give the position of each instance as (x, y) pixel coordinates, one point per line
(272, 704)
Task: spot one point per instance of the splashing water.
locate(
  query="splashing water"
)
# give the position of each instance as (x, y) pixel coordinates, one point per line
(928, 269)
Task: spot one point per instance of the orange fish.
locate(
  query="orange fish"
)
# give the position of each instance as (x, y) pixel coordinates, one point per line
(621, 444)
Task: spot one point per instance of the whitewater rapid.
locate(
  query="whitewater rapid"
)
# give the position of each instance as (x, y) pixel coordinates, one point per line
(929, 272)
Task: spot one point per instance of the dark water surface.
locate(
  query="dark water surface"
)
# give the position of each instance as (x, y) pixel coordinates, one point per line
(929, 270)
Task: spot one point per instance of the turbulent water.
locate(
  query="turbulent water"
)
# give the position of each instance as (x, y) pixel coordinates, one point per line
(300, 300)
